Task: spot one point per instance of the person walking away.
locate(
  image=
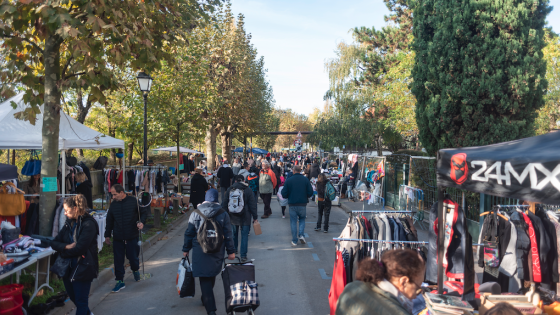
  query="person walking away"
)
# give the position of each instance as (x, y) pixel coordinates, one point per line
(32, 188)
(245, 171)
(236, 167)
(206, 266)
(267, 182)
(315, 169)
(277, 170)
(123, 223)
(241, 206)
(77, 241)
(387, 286)
(225, 174)
(282, 201)
(253, 180)
(199, 186)
(325, 164)
(84, 187)
(324, 203)
(297, 189)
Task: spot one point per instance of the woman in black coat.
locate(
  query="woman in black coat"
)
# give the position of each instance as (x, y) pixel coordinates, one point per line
(84, 187)
(77, 241)
(199, 186)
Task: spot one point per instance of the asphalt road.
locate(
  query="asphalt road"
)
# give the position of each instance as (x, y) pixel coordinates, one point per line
(292, 280)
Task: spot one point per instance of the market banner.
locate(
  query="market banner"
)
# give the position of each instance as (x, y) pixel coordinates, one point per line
(525, 169)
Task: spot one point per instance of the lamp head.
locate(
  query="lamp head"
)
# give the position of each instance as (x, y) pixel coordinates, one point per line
(144, 82)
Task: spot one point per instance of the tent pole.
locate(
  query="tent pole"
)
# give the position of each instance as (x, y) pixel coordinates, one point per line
(124, 165)
(63, 173)
(441, 239)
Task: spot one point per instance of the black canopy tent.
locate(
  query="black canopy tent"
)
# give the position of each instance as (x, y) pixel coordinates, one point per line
(526, 169)
(8, 172)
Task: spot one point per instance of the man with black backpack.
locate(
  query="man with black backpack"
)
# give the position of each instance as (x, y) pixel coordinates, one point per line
(241, 205)
(209, 236)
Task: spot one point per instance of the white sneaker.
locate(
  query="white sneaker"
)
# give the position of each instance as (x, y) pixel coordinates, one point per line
(294, 244)
(302, 239)
(283, 217)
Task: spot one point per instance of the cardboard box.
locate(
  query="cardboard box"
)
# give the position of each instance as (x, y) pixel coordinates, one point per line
(524, 308)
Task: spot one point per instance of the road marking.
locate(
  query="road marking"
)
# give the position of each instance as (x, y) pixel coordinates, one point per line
(324, 274)
(310, 244)
(315, 257)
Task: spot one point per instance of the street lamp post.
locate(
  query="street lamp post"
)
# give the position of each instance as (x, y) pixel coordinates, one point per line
(145, 83)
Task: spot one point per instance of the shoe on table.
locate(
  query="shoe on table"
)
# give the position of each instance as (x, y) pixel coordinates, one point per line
(136, 275)
(265, 216)
(119, 286)
(302, 239)
(317, 229)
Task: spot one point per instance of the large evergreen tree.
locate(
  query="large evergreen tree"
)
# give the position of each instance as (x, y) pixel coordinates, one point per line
(479, 73)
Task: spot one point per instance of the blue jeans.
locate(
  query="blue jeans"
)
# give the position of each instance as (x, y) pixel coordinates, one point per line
(297, 212)
(244, 238)
(78, 291)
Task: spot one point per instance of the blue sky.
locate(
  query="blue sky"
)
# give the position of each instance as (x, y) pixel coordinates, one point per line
(297, 37)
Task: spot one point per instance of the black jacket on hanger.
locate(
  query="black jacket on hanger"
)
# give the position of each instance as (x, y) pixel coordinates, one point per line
(551, 231)
(544, 247)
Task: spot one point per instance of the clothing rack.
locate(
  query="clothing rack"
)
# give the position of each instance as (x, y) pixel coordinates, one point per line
(376, 241)
(380, 211)
(38, 195)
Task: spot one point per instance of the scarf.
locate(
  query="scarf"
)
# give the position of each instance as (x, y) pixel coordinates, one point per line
(389, 287)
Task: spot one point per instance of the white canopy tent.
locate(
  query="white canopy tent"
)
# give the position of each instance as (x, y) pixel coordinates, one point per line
(174, 149)
(20, 135)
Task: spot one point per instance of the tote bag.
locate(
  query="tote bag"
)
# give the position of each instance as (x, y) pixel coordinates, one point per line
(33, 166)
(11, 204)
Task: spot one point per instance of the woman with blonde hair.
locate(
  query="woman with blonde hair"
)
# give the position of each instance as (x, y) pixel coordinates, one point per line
(77, 241)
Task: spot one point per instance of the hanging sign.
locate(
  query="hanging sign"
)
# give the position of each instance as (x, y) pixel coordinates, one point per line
(181, 167)
(49, 184)
(299, 134)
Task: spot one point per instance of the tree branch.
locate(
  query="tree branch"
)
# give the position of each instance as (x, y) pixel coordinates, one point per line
(66, 66)
(25, 40)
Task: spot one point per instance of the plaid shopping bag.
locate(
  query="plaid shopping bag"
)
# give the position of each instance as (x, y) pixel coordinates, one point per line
(245, 293)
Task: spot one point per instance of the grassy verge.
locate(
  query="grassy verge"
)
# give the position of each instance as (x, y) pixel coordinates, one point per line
(106, 254)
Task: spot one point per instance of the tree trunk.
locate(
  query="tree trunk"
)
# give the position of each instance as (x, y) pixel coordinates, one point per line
(379, 147)
(130, 152)
(51, 123)
(226, 148)
(210, 141)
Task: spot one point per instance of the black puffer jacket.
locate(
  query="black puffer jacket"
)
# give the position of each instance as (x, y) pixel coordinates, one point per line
(122, 217)
(85, 250)
(85, 189)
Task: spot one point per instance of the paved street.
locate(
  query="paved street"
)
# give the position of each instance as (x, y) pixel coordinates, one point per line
(291, 280)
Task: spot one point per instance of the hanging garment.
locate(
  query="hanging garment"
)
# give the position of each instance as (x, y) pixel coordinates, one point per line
(523, 245)
(536, 264)
(556, 224)
(458, 255)
(552, 256)
(543, 241)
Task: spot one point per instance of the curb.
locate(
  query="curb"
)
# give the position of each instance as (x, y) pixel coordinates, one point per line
(108, 273)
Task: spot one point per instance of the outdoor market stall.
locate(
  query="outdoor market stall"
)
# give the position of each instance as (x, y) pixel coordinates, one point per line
(21, 135)
(525, 169)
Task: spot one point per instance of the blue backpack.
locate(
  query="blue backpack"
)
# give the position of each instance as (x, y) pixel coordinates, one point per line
(330, 191)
